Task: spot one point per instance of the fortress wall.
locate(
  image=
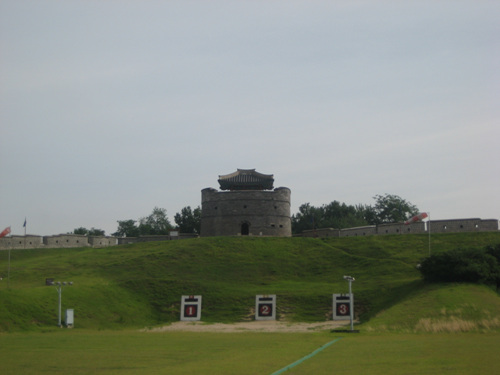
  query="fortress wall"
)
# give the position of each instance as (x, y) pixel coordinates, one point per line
(359, 231)
(21, 242)
(400, 228)
(179, 236)
(488, 225)
(458, 225)
(266, 213)
(215, 223)
(321, 232)
(102, 241)
(126, 240)
(463, 225)
(66, 240)
(437, 226)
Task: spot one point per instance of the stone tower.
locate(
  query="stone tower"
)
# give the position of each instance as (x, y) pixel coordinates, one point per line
(247, 205)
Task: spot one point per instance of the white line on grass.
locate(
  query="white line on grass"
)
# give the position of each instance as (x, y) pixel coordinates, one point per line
(286, 368)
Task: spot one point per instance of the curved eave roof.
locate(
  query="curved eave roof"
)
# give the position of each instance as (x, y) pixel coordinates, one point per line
(246, 179)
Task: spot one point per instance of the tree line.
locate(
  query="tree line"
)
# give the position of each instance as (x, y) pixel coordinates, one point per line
(388, 208)
(157, 223)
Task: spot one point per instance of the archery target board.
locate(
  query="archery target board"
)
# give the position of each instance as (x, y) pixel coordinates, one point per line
(342, 307)
(265, 307)
(190, 308)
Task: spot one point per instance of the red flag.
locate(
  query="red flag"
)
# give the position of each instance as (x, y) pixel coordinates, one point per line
(5, 232)
(416, 218)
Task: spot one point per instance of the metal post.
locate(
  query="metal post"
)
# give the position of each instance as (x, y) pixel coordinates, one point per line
(350, 279)
(59, 289)
(351, 305)
(429, 228)
(8, 270)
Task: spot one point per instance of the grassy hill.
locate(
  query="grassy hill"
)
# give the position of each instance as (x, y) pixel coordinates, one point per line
(141, 284)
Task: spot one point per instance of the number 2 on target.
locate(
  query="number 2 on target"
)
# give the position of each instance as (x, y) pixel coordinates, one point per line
(265, 310)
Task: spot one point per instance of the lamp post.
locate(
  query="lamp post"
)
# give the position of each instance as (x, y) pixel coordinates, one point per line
(59, 287)
(350, 279)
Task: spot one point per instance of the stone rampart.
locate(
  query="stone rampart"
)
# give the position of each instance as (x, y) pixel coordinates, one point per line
(102, 241)
(177, 236)
(66, 240)
(321, 232)
(463, 225)
(436, 226)
(76, 240)
(400, 228)
(21, 242)
(358, 231)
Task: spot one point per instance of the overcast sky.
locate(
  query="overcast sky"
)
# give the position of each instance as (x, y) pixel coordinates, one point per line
(110, 108)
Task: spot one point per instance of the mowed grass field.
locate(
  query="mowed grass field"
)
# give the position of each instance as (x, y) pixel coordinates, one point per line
(406, 325)
(132, 352)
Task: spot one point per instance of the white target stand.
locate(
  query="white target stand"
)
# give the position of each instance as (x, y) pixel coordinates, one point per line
(190, 308)
(342, 306)
(265, 307)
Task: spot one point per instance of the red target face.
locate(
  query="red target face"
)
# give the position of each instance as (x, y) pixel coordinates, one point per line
(342, 309)
(265, 309)
(190, 311)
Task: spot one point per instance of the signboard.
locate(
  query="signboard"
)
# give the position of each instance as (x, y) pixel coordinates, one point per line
(342, 307)
(265, 307)
(190, 308)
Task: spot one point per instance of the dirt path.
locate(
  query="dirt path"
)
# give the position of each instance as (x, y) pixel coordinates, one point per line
(254, 326)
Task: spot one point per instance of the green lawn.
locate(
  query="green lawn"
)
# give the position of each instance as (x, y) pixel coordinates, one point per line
(132, 352)
(407, 354)
(408, 326)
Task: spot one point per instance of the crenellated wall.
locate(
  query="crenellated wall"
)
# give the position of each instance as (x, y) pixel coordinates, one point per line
(436, 226)
(66, 240)
(74, 240)
(102, 241)
(21, 242)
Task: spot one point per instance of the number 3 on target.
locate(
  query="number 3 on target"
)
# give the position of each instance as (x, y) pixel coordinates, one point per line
(343, 309)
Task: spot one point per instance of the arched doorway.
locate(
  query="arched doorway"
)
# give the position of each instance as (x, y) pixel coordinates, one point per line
(245, 229)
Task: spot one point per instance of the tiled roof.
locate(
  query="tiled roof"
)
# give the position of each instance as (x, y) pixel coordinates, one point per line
(246, 179)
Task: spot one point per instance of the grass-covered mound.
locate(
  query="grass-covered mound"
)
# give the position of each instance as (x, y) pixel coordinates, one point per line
(141, 285)
(442, 308)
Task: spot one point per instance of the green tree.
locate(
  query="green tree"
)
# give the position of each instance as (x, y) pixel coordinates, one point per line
(96, 232)
(333, 215)
(89, 232)
(390, 208)
(463, 265)
(81, 230)
(340, 215)
(307, 218)
(127, 228)
(156, 223)
(189, 221)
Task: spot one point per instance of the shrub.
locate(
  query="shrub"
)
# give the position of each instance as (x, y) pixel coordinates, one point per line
(464, 265)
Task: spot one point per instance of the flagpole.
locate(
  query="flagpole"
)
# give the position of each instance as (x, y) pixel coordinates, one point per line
(25, 234)
(5, 232)
(429, 234)
(8, 269)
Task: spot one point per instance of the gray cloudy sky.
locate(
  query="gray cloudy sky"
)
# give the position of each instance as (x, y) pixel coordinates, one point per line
(110, 108)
